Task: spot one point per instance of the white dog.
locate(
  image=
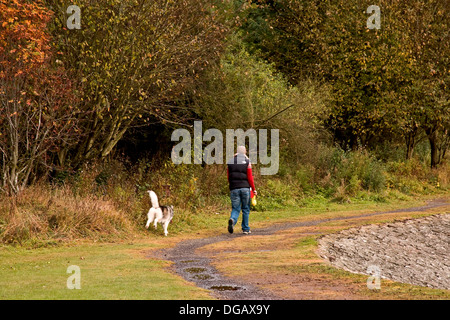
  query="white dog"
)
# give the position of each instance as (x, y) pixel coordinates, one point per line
(161, 214)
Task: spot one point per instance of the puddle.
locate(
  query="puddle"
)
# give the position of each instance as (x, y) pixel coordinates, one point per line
(225, 288)
(195, 270)
(203, 277)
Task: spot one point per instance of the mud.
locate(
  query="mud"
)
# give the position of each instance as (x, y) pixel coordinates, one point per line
(198, 268)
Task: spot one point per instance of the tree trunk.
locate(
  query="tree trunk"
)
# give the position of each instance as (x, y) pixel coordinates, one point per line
(409, 151)
(410, 143)
(434, 149)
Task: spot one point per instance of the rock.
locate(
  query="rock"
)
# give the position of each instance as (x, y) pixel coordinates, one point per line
(414, 251)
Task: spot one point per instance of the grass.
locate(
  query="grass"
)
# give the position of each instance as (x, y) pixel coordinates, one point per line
(124, 269)
(108, 271)
(109, 201)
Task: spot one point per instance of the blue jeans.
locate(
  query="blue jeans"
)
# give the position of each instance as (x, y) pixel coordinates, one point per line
(240, 199)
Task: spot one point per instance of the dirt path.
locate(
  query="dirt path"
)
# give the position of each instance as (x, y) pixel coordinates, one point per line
(197, 267)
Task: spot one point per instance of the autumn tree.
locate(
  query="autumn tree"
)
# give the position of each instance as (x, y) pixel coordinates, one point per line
(134, 59)
(243, 91)
(387, 83)
(35, 99)
(426, 40)
(329, 41)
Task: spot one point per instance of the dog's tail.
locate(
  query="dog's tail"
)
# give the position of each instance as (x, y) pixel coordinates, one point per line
(154, 199)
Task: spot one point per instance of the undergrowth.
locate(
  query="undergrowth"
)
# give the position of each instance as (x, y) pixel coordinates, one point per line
(103, 202)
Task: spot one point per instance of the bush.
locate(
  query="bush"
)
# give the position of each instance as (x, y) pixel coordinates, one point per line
(415, 177)
(304, 178)
(351, 171)
(42, 214)
(110, 200)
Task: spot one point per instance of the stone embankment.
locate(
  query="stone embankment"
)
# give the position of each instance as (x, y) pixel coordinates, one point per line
(415, 251)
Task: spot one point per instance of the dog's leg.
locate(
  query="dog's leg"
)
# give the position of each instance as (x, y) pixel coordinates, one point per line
(158, 217)
(166, 224)
(151, 216)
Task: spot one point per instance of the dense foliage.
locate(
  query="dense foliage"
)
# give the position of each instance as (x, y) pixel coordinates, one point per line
(88, 113)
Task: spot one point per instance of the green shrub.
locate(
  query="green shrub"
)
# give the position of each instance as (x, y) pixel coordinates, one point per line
(304, 178)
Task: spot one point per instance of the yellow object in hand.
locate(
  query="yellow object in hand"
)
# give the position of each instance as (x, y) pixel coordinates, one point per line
(254, 201)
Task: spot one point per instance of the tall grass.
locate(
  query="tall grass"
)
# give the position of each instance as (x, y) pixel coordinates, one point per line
(109, 201)
(46, 214)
